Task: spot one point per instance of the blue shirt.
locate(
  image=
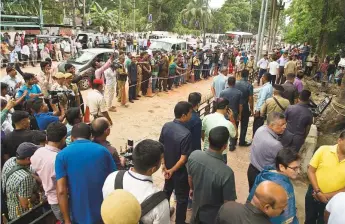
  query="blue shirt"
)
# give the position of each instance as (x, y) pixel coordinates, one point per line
(219, 83)
(177, 141)
(194, 125)
(265, 93)
(247, 90)
(289, 213)
(86, 165)
(44, 119)
(34, 89)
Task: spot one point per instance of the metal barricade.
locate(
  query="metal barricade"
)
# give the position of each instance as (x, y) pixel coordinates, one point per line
(206, 107)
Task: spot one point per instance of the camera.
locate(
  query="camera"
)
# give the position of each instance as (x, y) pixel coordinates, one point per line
(56, 95)
(128, 154)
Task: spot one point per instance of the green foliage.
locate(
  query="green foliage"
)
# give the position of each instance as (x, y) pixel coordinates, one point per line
(306, 23)
(103, 17)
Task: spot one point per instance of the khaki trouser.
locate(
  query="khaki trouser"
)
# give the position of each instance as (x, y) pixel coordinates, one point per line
(138, 89)
(121, 85)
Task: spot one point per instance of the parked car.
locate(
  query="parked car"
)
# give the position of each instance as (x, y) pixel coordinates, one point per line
(104, 41)
(168, 45)
(82, 64)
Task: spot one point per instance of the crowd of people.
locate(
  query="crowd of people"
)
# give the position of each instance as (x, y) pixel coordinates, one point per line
(46, 145)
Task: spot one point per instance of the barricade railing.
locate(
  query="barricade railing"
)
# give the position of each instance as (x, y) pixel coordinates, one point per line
(206, 106)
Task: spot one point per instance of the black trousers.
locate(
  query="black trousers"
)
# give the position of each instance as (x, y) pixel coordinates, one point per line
(273, 79)
(313, 209)
(252, 172)
(179, 183)
(132, 90)
(170, 82)
(145, 84)
(244, 125)
(162, 83)
(258, 122)
(205, 71)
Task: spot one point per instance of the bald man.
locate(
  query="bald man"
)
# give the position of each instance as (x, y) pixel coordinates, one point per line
(100, 128)
(270, 200)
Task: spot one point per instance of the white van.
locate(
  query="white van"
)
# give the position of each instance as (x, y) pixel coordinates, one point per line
(168, 45)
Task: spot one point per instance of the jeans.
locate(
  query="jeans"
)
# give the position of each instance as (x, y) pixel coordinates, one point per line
(154, 82)
(170, 82)
(313, 209)
(179, 183)
(205, 71)
(261, 72)
(177, 81)
(252, 172)
(273, 79)
(57, 212)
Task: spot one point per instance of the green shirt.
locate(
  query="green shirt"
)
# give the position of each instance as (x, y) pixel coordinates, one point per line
(172, 69)
(128, 63)
(215, 120)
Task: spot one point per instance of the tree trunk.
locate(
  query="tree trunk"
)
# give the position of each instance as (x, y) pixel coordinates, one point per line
(204, 33)
(272, 24)
(333, 118)
(322, 42)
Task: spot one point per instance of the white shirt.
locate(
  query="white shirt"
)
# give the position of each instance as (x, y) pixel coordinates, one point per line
(25, 50)
(67, 48)
(134, 184)
(34, 46)
(273, 68)
(96, 102)
(263, 63)
(12, 82)
(7, 124)
(237, 59)
(336, 207)
(110, 77)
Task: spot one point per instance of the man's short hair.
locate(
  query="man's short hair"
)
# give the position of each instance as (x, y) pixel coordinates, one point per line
(245, 73)
(194, 98)
(3, 85)
(182, 108)
(305, 95)
(19, 115)
(290, 76)
(81, 130)
(147, 154)
(37, 104)
(342, 135)
(221, 103)
(286, 156)
(99, 126)
(274, 116)
(267, 76)
(231, 81)
(68, 66)
(56, 131)
(40, 136)
(43, 64)
(218, 137)
(72, 114)
(28, 76)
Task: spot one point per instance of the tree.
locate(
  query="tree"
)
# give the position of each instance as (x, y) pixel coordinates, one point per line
(103, 17)
(198, 14)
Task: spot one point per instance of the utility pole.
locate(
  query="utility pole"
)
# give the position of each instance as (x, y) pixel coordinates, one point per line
(259, 31)
(263, 29)
(84, 14)
(73, 12)
(134, 15)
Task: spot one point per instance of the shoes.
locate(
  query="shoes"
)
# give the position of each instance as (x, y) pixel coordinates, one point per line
(245, 144)
(131, 101)
(112, 109)
(232, 148)
(172, 210)
(138, 96)
(135, 99)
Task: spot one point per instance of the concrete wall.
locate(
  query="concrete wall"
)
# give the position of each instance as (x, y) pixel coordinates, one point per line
(308, 149)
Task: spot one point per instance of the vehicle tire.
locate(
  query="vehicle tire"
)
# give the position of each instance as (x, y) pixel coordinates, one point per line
(84, 83)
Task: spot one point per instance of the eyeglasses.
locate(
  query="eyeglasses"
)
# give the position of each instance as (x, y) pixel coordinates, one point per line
(296, 168)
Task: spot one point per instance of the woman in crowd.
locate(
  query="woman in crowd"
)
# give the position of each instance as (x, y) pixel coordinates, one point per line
(287, 167)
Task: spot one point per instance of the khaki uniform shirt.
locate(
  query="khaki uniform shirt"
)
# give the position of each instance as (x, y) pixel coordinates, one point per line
(290, 67)
(250, 66)
(270, 105)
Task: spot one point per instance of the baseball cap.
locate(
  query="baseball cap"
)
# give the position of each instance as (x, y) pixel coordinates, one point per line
(26, 149)
(98, 81)
(120, 202)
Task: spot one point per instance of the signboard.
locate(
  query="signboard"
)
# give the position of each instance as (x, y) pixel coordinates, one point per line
(149, 18)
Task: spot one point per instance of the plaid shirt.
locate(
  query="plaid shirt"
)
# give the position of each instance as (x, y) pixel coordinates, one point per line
(19, 184)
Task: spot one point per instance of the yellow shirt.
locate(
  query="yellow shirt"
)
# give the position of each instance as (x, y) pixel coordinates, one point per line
(330, 172)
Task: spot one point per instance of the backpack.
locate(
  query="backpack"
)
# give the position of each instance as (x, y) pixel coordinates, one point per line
(149, 203)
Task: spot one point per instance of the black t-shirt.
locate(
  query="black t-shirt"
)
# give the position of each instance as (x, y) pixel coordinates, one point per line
(14, 139)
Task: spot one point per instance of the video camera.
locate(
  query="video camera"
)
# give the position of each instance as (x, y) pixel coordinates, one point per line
(128, 154)
(56, 94)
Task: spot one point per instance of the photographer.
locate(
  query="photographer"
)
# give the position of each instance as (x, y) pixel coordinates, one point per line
(44, 117)
(57, 90)
(75, 94)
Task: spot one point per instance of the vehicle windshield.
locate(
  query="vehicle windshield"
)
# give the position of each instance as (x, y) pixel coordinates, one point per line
(158, 45)
(83, 58)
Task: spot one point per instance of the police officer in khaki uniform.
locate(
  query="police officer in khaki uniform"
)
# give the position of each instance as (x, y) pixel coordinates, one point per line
(122, 77)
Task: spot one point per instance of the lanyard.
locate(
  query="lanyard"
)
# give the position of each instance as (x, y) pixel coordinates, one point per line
(139, 178)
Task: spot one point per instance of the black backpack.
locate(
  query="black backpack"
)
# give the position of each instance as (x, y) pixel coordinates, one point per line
(149, 203)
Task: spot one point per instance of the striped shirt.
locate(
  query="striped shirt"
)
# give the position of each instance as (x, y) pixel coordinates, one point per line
(19, 184)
